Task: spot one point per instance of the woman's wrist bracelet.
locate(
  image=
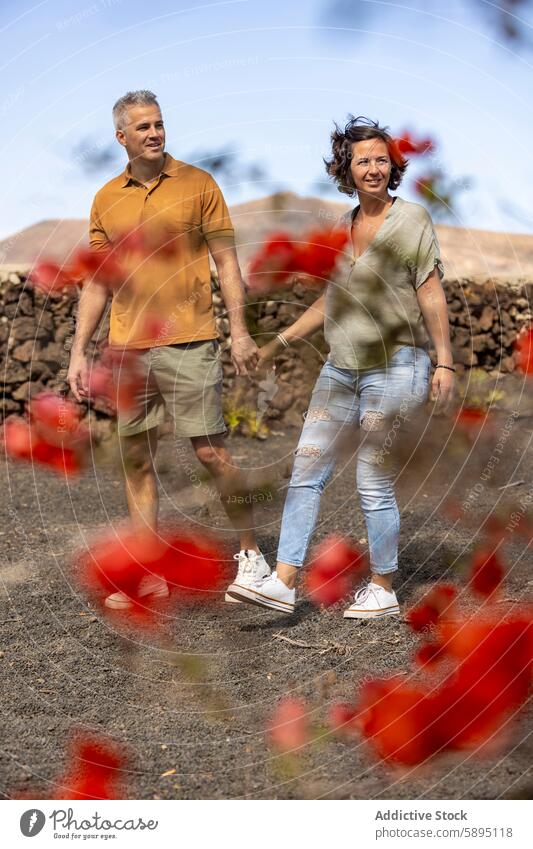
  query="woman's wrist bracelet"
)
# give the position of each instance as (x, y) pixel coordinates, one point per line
(282, 339)
(450, 368)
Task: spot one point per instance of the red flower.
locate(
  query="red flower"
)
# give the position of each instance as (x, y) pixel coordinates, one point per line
(396, 154)
(191, 564)
(334, 566)
(146, 241)
(289, 726)
(51, 277)
(103, 266)
(429, 654)
(120, 385)
(65, 454)
(99, 381)
(524, 350)
(18, 439)
(119, 561)
(422, 616)
(343, 719)
(51, 412)
(471, 419)
(486, 572)
(106, 266)
(397, 719)
(313, 255)
(407, 144)
(318, 252)
(63, 460)
(273, 263)
(438, 603)
(492, 678)
(94, 769)
(155, 326)
(129, 381)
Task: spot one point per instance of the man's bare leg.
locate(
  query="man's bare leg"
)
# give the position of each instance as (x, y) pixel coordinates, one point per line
(138, 455)
(230, 483)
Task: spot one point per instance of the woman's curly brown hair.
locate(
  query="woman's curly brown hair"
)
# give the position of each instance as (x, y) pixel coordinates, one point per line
(359, 129)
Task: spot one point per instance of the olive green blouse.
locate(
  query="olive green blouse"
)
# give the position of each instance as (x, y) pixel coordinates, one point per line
(371, 304)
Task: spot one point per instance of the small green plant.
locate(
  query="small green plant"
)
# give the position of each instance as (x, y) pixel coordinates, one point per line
(478, 390)
(242, 418)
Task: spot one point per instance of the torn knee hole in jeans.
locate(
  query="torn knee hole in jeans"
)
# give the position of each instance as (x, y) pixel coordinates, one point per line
(372, 420)
(308, 451)
(320, 414)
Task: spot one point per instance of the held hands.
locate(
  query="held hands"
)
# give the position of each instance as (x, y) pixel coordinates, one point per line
(267, 352)
(244, 354)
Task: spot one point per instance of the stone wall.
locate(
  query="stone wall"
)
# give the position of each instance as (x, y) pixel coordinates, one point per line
(36, 330)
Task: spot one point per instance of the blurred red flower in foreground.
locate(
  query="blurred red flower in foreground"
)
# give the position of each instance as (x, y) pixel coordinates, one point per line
(471, 420)
(343, 719)
(118, 561)
(405, 143)
(51, 277)
(429, 653)
(397, 718)
(334, 565)
(486, 572)
(109, 266)
(491, 679)
(117, 377)
(436, 604)
(288, 728)
(524, 350)
(94, 769)
(103, 266)
(54, 436)
(281, 257)
(52, 412)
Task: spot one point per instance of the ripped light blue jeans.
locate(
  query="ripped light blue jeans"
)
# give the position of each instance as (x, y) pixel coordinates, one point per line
(379, 401)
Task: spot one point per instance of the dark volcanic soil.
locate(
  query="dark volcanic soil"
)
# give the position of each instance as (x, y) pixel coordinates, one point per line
(198, 706)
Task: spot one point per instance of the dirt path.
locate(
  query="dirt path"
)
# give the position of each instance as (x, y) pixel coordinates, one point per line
(202, 712)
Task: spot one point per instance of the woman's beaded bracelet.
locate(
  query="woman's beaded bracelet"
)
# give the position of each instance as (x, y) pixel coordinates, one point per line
(282, 339)
(450, 368)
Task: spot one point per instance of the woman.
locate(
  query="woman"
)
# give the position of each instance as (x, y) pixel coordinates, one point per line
(375, 318)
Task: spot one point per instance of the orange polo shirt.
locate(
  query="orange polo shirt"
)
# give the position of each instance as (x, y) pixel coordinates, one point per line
(165, 299)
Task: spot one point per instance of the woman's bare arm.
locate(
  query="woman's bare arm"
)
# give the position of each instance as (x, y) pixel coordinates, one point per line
(434, 309)
(306, 325)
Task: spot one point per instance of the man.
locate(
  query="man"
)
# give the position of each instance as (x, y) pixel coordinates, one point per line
(177, 351)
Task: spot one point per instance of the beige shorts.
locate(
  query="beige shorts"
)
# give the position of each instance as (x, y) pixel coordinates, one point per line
(184, 380)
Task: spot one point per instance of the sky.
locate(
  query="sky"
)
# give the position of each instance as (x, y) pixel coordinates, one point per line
(265, 79)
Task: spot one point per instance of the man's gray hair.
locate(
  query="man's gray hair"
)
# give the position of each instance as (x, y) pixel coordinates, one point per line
(131, 98)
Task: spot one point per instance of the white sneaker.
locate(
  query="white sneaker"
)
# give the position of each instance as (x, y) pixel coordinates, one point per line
(252, 568)
(270, 592)
(151, 585)
(372, 601)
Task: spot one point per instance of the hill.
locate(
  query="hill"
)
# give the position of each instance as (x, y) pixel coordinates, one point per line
(466, 252)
